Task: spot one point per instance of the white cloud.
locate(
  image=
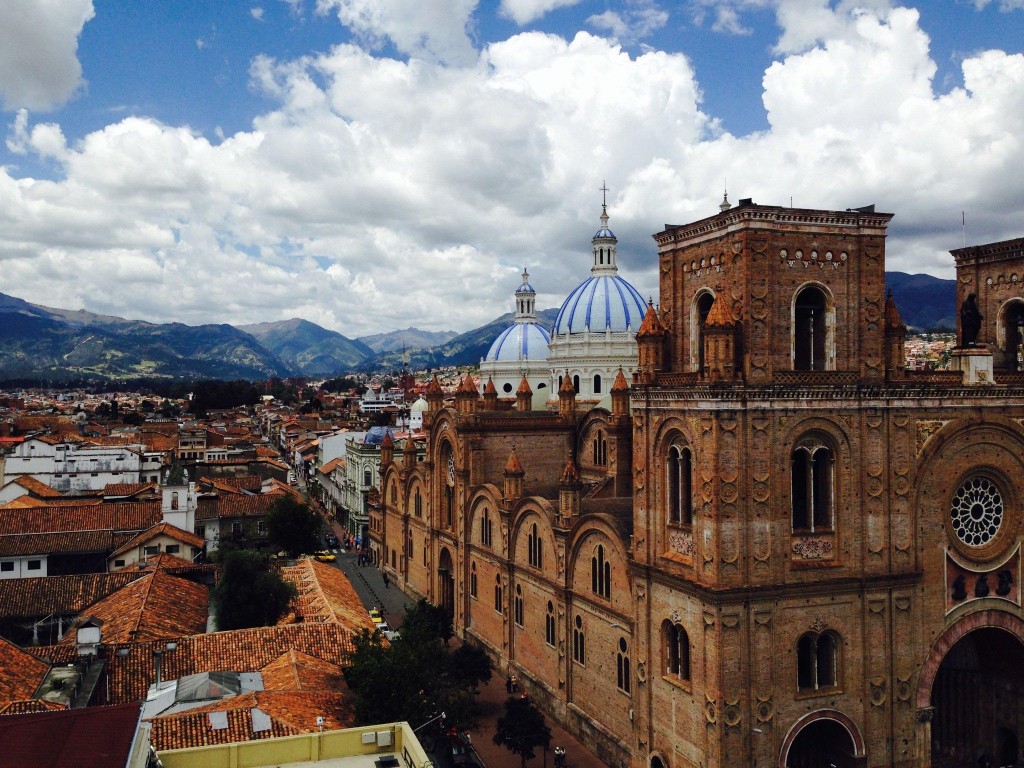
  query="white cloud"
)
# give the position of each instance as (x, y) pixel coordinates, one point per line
(522, 12)
(635, 20)
(256, 12)
(1004, 5)
(39, 66)
(436, 31)
(381, 193)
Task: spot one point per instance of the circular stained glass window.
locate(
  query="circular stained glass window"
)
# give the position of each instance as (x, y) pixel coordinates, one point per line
(977, 511)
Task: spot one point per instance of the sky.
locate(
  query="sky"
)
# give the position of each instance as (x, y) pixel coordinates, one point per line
(370, 165)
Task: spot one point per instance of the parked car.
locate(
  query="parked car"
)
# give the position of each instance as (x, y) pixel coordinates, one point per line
(331, 541)
(462, 754)
(324, 556)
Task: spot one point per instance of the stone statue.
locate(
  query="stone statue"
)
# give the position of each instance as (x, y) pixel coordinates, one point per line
(970, 321)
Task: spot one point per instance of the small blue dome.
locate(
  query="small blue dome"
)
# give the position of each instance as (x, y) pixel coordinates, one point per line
(604, 302)
(520, 341)
(525, 288)
(604, 232)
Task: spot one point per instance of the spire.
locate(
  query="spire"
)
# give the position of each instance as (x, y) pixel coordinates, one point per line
(524, 396)
(651, 325)
(719, 316)
(513, 466)
(725, 205)
(604, 243)
(489, 389)
(893, 320)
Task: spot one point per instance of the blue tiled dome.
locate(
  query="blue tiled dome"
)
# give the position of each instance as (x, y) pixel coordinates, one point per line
(599, 303)
(520, 341)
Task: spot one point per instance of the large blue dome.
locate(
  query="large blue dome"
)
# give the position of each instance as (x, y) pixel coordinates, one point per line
(599, 303)
(520, 341)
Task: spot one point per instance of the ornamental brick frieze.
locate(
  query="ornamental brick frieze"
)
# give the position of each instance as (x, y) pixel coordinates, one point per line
(681, 542)
(798, 258)
(710, 710)
(731, 714)
(925, 429)
(877, 695)
(764, 710)
(965, 583)
(813, 547)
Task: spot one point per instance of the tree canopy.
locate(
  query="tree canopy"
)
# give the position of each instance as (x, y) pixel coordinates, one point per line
(522, 729)
(414, 678)
(293, 526)
(249, 594)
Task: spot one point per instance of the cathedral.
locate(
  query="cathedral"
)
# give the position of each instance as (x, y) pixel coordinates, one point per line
(768, 543)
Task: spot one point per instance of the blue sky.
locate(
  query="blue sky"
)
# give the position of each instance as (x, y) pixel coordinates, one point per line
(373, 164)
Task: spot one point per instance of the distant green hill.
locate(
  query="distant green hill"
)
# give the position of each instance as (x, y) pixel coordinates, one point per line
(926, 303)
(309, 349)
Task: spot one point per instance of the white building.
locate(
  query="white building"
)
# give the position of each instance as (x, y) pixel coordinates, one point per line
(75, 467)
(520, 350)
(595, 331)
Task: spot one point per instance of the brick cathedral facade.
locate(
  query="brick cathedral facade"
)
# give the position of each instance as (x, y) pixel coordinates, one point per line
(777, 546)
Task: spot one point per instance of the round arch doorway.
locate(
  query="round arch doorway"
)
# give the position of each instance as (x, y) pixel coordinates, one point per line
(446, 581)
(823, 739)
(976, 696)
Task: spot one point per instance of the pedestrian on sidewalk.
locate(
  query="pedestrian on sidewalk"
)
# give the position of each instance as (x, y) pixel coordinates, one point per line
(386, 584)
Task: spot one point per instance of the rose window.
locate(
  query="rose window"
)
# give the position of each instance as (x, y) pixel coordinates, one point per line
(977, 511)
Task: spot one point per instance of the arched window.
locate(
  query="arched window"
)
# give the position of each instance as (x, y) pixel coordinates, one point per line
(472, 580)
(576, 384)
(810, 330)
(517, 612)
(676, 651)
(679, 470)
(394, 494)
(1013, 336)
(622, 666)
(533, 545)
(368, 479)
(579, 641)
(812, 486)
(600, 447)
(701, 308)
(600, 574)
(408, 546)
(549, 625)
(817, 661)
(485, 529)
(449, 506)
(174, 500)
(597, 384)
(417, 504)
(497, 593)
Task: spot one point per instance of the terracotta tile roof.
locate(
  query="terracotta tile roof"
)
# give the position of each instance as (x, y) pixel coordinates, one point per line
(91, 737)
(294, 671)
(267, 453)
(235, 505)
(62, 542)
(246, 483)
(58, 594)
(238, 650)
(26, 502)
(290, 713)
(37, 487)
(326, 595)
(333, 464)
(20, 672)
(127, 489)
(161, 529)
(157, 606)
(117, 516)
(25, 706)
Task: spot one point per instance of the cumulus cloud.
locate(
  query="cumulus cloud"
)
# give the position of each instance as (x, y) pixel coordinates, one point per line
(436, 31)
(524, 11)
(380, 193)
(256, 12)
(39, 66)
(635, 21)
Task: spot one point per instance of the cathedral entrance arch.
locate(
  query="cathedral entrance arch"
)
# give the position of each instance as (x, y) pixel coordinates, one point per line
(446, 581)
(971, 690)
(823, 739)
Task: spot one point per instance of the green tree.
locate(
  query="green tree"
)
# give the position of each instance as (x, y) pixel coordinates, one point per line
(522, 729)
(293, 527)
(249, 594)
(470, 665)
(427, 622)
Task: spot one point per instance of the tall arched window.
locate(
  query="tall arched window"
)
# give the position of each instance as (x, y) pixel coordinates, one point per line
(676, 651)
(701, 308)
(174, 500)
(817, 660)
(549, 625)
(533, 545)
(622, 666)
(472, 580)
(417, 504)
(600, 574)
(812, 485)
(449, 506)
(579, 641)
(485, 529)
(600, 449)
(810, 330)
(597, 384)
(679, 486)
(497, 593)
(408, 546)
(367, 477)
(517, 612)
(576, 384)
(1013, 336)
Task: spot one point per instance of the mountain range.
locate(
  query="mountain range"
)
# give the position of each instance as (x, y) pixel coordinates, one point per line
(58, 344)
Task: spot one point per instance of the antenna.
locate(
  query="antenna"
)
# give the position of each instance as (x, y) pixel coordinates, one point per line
(963, 227)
